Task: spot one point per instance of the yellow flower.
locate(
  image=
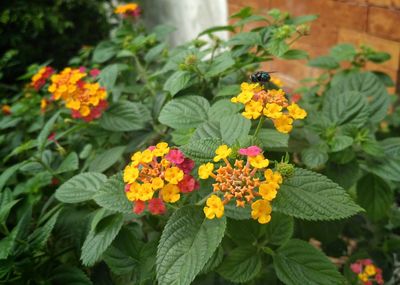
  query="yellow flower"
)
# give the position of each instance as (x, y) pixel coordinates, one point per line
(161, 149)
(145, 192)
(271, 176)
(43, 105)
(261, 211)
(296, 112)
(243, 97)
(284, 124)
(173, 175)
(147, 156)
(370, 270)
(157, 183)
(170, 193)
(255, 87)
(133, 192)
(268, 190)
(136, 158)
(252, 110)
(276, 81)
(258, 161)
(363, 277)
(223, 151)
(131, 173)
(214, 207)
(205, 170)
(272, 110)
(84, 110)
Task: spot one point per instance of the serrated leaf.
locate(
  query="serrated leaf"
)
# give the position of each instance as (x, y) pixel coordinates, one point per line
(80, 188)
(40, 236)
(280, 229)
(185, 112)
(324, 62)
(45, 132)
(104, 51)
(271, 139)
(106, 159)
(277, 47)
(375, 195)
(108, 75)
(233, 127)
(187, 243)
(177, 81)
(102, 233)
(214, 261)
(237, 213)
(343, 52)
(312, 196)
(349, 107)
(241, 265)
(111, 195)
(9, 172)
(207, 130)
(125, 116)
(228, 90)
(68, 275)
(295, 54)
(298, 262)
(222, 108)
(5, 210)
(220, 64)
(202, 150)
(70, 163)
(245, 38)
(340, 142)
(314, 157)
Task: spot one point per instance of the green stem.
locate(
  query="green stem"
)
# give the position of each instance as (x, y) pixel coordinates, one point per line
(143, 75)
(201, 202)
(260, 123)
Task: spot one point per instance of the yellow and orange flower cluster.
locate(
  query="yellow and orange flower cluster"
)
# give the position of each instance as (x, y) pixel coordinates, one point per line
(39, 79)
(158, 171)
(367, 272)
(270, 103)
(86, 99)
(244, 182)
(128, 10)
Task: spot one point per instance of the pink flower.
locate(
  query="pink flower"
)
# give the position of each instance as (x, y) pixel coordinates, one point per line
(152, 147)
(82, 69)
(186, 166)
(356, 267)
(157, 206)
(94, 72)
(250, 151)
(296, 98)
(366, 261)
(127, 187)
(175, 156)
(52, 137)
(187, 184)
(139, 207)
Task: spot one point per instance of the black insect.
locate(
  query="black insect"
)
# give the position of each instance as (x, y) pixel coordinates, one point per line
(260, 77)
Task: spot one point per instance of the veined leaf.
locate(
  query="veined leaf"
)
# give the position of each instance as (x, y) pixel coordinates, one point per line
(221, 63)
(222, 108)
(45, 132)
(273, 139)
(202, 150)
(233, 127)
(177, 81)
(70, 163)
(106, 159)
(187, 243)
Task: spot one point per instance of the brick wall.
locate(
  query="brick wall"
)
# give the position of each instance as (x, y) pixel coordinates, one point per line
(372, 22)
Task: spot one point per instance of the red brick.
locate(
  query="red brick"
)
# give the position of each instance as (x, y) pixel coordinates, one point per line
(384, 22)
(380, 3)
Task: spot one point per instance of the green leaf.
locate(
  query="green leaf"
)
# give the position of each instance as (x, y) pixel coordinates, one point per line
(5, 210)
(349, 107)
(375, 195)
(241, 265)
(155, 52)
(104, 51)
(106, 159)
(378, 57)
(311, 196)
(280, 229)
(343, 52)
(217, 29)
(111, 195)
(237, 213)
(214, 261)
(207, 130)
(45, 132)
(9, 172)
(40, 236)
(314, 157)
(80, 188)
(228, 90)
(298, 262)
(391, 146)
(202, 150)
(125, 116)
(273, 139)
(371, 88)
(245, 38)
(108, 75)
(340, 142)
(220, 64)
(104, 228)
(243, 13)
(346, 175)
(185, 112)
(68, 275)
(69, 164)
(324, 62)
(187, 243)
(277, 47)
(177, 81)
(295, 54)
(222, 108)
(303, 19)
(233, 127)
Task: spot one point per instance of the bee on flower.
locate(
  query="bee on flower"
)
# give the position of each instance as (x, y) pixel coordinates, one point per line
(248, 181)
(367, 272)
(86, 99)
(272, 104)
(39, 79)
(130, 10)
(156, 176)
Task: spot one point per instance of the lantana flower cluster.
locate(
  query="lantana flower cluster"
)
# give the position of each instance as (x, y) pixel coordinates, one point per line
(85, 98)
(156, 175)
(39, 79)
(246, 181)
(272, 103)
(367, 272)
(128, 10)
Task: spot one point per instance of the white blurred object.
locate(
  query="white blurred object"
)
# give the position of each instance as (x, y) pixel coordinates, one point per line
(189, 17)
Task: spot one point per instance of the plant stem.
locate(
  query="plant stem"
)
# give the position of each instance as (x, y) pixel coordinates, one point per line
(260, 123)
(143, 74)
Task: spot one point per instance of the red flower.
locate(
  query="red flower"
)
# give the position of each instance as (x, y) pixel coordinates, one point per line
(139, 207)
(94, 72)
(175, 156)
(187, 165)
(52, 137)
(157, 206)
(55, 181)
(187, 184)
(296, 98)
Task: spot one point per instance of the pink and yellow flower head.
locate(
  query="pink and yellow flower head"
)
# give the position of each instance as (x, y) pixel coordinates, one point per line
(270, 103)
(128, 10)
(86, 99)
(156, 176)
(247, 182)
(40, 78)
(367, 272)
